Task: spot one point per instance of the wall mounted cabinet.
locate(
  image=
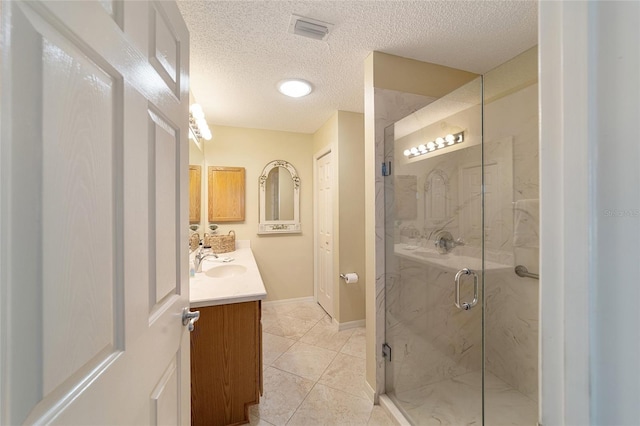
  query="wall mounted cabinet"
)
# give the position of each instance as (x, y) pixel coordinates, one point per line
(226, 197)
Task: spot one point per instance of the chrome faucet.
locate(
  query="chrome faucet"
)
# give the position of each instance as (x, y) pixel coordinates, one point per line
(200, 256)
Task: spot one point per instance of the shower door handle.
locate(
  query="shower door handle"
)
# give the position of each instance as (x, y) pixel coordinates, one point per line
(464, 305)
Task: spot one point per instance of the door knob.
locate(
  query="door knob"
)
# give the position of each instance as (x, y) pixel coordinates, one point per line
(189, 318)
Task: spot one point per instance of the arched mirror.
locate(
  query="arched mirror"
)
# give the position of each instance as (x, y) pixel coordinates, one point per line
(279, 198)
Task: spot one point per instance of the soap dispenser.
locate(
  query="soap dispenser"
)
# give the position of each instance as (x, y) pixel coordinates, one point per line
(192, 269)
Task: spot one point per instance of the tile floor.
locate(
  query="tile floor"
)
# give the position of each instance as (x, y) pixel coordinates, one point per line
(457, 401)
(313, 373)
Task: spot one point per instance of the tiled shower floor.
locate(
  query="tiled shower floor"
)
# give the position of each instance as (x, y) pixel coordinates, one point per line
(457, 402)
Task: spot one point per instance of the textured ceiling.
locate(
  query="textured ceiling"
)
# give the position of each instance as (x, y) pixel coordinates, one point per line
(241, 49)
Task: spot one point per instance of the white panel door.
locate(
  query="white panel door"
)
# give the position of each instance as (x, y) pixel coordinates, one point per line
(324, 237)
(93, 213)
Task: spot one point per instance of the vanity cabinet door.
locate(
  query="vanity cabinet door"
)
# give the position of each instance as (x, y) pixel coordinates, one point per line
(226, 364)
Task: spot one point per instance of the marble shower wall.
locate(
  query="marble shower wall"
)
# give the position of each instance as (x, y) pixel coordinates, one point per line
(511, 330)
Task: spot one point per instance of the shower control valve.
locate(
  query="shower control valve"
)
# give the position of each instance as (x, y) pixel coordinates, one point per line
(444, 242)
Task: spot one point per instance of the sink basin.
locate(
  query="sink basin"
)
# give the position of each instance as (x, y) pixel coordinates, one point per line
(226, 271)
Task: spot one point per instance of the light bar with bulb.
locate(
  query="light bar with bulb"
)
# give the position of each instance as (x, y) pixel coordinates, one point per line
(197, 123)
(434, 145)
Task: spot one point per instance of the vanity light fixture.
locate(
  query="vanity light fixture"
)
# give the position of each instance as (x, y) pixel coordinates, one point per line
(197, 123)
(294, 87)
(438, 143)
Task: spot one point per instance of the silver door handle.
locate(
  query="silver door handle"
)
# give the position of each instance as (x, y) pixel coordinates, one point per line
(466, 306)
(189, 318)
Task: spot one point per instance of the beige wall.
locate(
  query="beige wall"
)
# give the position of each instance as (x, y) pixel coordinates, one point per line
(352, 207)
(411, 76)
(327, 134)
(285, 260)
(343, 133)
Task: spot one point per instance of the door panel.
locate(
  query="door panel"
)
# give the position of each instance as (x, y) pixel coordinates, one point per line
(164, 49)
(165, 409)
(163, 146)
(434, 373)
(88, 229)
(79, 189)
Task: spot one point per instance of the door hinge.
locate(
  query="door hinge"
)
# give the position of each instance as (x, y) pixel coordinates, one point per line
(386, 351)
(386, 169)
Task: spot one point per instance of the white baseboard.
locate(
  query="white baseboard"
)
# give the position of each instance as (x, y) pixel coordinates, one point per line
(371, 394)
(350, 324)
(393, 412)
(287, 301)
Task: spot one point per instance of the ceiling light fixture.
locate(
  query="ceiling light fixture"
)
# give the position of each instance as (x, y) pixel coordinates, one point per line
(295, 88)
(433, 145)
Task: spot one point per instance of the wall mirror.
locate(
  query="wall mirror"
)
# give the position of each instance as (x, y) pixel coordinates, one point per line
(195, 194)
(279, 199)
(196, 187)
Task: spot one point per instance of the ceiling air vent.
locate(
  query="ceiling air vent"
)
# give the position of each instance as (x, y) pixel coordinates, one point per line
(308, 27)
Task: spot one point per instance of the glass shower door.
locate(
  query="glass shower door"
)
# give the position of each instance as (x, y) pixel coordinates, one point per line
(510, 239)
(434, 258)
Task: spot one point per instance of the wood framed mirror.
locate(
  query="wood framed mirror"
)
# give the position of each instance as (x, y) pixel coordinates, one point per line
(279, 199)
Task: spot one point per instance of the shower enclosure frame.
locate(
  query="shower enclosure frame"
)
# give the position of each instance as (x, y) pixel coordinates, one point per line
(381, 150)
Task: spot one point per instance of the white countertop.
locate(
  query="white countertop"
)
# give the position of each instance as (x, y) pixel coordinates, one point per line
(247, 287)
(453, 261)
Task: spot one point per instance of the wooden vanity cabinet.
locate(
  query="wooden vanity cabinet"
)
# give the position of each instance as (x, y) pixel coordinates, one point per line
(226, 364)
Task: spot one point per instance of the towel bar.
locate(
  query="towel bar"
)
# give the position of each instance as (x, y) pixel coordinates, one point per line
(522, 271)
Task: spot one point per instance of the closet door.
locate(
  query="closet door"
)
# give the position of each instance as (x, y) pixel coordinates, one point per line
(94, 213)
(324, 233)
